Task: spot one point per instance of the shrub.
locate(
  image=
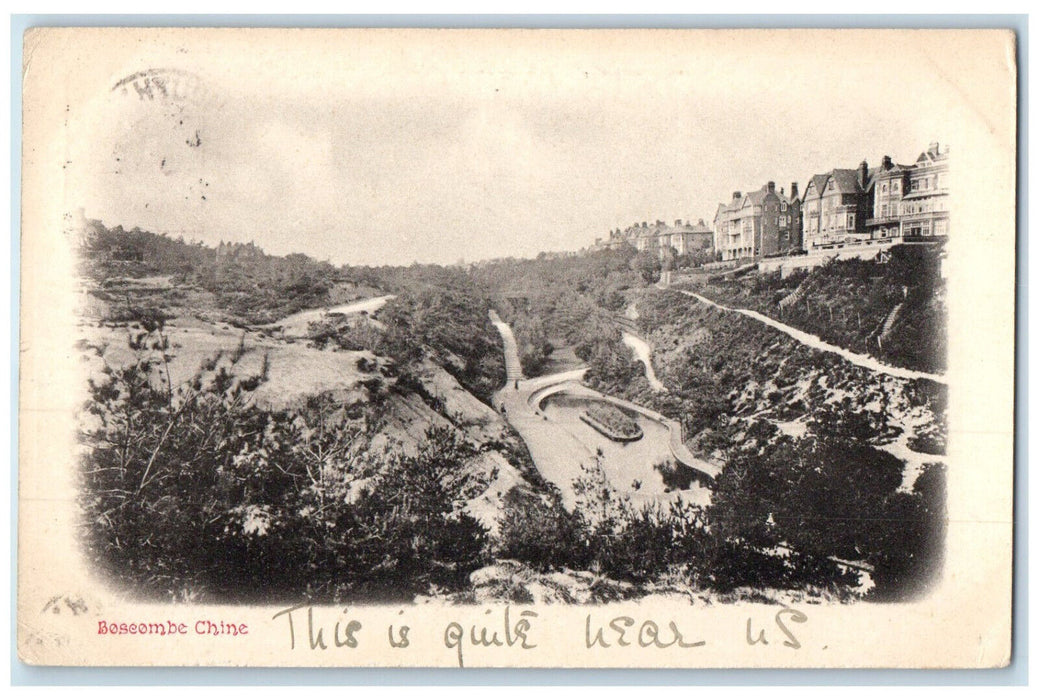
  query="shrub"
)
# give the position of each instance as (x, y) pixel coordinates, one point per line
(537, 530)
(910, 552)
(199, 493)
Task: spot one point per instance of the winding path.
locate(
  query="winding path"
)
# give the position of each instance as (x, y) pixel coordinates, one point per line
(298, 323)
(865, 361)
(513, 367)
(640, 348)
(556, 452)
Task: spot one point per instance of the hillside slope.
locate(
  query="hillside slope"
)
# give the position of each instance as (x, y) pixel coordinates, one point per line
(409, 403)
(893, 310)
(721, 369)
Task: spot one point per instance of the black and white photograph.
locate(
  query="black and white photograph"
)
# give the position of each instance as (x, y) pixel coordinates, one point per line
(629, 325)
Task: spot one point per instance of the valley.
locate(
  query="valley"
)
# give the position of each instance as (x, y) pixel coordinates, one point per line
(563, 414)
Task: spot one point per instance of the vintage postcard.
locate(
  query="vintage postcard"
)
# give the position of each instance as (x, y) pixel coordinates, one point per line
(517, 348)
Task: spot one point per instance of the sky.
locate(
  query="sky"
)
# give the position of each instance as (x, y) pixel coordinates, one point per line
(394, 147)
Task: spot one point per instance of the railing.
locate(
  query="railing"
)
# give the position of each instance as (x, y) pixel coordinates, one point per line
(882, 220)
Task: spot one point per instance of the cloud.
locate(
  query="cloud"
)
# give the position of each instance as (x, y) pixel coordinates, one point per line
(370, 151)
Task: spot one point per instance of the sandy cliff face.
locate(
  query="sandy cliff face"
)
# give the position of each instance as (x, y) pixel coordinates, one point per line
(356, 380)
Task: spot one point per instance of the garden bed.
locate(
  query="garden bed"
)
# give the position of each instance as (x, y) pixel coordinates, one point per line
(612, 422)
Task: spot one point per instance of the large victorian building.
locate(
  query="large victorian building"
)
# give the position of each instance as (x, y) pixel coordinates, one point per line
(836, 206)
(682, 237)
(889, 183)
(912, 201)
(893, 201)
(689, 237)
(760, 223)
(924, 209)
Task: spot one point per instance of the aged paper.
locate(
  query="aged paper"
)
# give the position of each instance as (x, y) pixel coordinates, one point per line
(343, 458)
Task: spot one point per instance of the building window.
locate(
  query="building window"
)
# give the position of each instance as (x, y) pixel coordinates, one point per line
(851, 221)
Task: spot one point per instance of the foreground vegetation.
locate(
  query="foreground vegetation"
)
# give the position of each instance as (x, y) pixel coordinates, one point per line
(198, 492)
(809, 514)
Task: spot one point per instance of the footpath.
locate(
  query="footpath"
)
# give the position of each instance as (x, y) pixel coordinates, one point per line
(866, 361)
(556, 453)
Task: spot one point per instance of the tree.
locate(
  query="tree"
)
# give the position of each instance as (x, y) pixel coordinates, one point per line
(910, 547)
(409, 524)
(819, 495)
(668, 258)
(196, 492)
(534, 346)
(647, 264)
(538, 531)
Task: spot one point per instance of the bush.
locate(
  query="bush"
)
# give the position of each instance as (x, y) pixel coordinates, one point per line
(910, 552)
(604, 534)
(198, 493)
(538, 531)
(453, 327)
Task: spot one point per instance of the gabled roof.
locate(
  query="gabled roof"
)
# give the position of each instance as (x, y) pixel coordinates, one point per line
(819, 181)
(734, 205)
(846, 181)
(895, 170)
(757, 196)
(928, 157)
(871, 176)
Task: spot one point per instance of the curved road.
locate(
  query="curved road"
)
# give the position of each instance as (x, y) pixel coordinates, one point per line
(866, 361)
(678, 449)
(557, 453)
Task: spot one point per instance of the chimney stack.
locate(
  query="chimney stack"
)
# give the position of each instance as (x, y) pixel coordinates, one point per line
(863, 173)
(736, 194)
(887, 163)
(771, 186)
(933, 148)
(793, 190)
